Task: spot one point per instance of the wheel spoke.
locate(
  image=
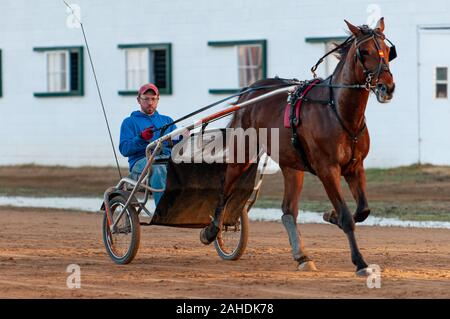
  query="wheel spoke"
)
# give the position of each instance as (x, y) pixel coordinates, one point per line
(121, 236)
(229, 238)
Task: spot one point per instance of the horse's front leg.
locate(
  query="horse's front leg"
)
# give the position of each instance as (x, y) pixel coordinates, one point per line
(234, 171)
(330, 177)
(356, 181)
(293, 183)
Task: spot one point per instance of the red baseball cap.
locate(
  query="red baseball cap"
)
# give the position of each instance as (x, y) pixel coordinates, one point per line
(146, 87)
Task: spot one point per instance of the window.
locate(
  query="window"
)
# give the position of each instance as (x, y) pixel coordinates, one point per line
(252, 62)
(57, 71)
(331, 61)
(146, 63)
(64, 71)
(441, 82)
(136, 68)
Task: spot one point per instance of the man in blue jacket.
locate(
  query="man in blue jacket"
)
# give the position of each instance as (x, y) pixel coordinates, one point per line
(138, 130)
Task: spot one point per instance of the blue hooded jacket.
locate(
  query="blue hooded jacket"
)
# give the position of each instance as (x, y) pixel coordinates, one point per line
(132, 145)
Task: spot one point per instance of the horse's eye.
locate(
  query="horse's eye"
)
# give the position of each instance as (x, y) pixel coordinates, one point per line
(364, 52)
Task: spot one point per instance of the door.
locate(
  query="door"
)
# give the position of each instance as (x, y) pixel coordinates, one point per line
(434, 103)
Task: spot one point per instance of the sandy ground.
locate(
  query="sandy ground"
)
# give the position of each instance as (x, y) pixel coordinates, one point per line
(37, 245)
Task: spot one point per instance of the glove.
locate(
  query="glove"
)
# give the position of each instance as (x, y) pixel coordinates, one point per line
(147, 134)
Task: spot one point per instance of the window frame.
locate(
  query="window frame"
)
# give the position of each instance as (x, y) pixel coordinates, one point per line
(436, 82)
(237, 43)
(152, 46)
(80, 70)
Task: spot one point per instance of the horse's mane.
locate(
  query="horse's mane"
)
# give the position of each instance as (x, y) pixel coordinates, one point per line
(342, 53)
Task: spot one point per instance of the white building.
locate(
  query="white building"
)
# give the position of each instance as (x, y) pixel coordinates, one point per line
(195, 50)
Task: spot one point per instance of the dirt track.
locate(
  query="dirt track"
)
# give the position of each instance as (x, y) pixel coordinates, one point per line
(37, 245)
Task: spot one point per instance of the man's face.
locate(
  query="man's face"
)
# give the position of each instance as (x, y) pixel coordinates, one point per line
(148, 102)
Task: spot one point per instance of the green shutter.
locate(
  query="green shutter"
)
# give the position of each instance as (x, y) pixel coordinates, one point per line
(325, 39)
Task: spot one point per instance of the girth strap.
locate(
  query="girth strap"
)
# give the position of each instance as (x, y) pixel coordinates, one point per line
(295, 101)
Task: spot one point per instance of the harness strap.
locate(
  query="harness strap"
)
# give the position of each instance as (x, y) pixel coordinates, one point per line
(314, 68)
(295, 102)
(301, 150)
(354, 137)
(295, 120)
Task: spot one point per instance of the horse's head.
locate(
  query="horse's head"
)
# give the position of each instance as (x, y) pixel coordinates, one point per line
(371, 59)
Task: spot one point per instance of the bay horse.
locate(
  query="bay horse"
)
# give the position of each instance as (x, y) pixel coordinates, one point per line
(333, 136)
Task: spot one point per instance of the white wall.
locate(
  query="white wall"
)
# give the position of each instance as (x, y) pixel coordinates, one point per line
(71, 130)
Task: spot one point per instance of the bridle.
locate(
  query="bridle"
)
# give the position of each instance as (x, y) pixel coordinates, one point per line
(382, 65)
(369, 34)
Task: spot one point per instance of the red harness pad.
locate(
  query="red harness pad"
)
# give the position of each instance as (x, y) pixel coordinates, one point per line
(298, 105)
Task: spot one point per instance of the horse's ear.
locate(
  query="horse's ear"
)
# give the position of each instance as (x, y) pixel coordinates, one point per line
(380, 24)
(352, 28)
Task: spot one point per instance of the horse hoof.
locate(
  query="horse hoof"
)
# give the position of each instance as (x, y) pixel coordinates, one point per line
(307, 266)
(363, 272)
(203, 238)
(326, 216)
(330, 217)
(359, 217)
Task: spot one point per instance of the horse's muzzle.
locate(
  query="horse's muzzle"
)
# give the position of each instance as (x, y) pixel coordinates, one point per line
(384, 92)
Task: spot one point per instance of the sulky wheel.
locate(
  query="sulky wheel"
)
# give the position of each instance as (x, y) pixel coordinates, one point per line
(122, 242)
(231, 241)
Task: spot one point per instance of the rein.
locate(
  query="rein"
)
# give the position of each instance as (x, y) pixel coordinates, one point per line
(242, 92)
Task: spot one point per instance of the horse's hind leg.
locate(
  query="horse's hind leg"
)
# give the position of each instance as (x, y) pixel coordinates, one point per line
(357, 183)
(293, 183)
(330, 177)
(234, 171)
